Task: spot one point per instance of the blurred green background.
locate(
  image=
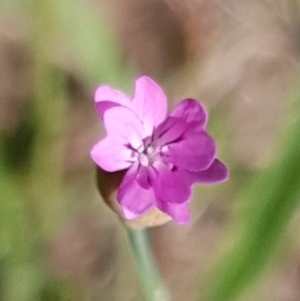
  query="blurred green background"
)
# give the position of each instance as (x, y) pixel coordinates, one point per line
(58, 241)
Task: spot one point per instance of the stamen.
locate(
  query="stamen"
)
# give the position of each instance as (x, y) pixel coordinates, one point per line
(150, 150)
(164, 149)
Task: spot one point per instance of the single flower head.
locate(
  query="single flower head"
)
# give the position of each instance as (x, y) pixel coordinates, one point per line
(163, 155)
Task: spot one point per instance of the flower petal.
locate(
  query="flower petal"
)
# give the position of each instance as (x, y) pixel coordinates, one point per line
(171, 185)
(124, 126)
(191, 111)
(216, 173)
(129, 215)
(195, 151)
(111, 155)
(143, 176)
(150, 103)
(179, 212)
(133, 197)
(106, 97)
(169, 131)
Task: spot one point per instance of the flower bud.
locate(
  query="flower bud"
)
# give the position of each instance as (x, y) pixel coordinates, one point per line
(108, 185)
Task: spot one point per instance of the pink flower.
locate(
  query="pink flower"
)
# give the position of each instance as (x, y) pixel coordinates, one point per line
(164, 156)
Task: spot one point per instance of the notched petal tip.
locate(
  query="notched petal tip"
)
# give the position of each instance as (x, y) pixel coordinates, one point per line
(106, 98)
(149, 102)
(106, 93)
(216, 173)
(191, 111)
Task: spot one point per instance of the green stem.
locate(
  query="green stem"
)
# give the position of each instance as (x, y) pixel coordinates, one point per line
(152, 284)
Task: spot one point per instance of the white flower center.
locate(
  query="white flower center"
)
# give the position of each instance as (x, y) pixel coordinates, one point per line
(143, 159)
(147, 154)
